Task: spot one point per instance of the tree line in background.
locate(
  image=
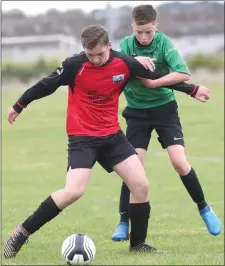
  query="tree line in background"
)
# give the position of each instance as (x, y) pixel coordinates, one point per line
(27, 71)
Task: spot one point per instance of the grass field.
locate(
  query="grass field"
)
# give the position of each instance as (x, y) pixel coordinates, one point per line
(34, 157)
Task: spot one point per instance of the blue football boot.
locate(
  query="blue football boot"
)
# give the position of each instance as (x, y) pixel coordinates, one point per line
(121, 232)
(211, 220)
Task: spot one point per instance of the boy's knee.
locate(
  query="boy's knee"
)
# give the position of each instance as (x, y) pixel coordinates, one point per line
(181, 166)
(141, 191)
(73, 194)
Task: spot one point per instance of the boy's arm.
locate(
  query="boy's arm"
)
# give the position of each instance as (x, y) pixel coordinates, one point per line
(138, 70)
(166, 81)
(46, 86)
(177, 65)
(173, 58)
(198, 92)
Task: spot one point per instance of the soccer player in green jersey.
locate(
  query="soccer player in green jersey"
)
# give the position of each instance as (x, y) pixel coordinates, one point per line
(157, 109)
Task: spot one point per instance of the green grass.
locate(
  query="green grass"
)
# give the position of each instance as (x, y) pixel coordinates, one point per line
(34, 158)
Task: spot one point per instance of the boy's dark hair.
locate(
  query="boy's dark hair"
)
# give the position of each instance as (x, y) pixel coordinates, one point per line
(93, 35)
(144, 14)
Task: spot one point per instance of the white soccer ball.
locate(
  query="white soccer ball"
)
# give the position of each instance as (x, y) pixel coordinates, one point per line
(78, 249)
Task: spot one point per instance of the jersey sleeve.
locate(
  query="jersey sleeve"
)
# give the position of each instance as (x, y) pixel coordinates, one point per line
(46, 86)
(173, 58)
(123, 48)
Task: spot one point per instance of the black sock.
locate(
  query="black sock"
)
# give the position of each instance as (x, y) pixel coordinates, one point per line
(124, 203)
(194, 188)
(139, 215)
(45, 212)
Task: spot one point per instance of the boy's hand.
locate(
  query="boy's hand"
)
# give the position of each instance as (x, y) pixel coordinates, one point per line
(147, 62)
(12, 115)
(203, 94)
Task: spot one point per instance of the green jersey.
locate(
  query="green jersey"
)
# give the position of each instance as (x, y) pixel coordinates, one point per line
(168, 60)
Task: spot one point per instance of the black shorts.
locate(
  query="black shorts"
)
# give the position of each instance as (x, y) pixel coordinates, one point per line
(164, 119)
(84, 151)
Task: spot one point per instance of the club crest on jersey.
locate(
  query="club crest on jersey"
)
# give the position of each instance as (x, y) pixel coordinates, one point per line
(118, 78)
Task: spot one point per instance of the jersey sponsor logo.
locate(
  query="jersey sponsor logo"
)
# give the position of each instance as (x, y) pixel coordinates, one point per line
(96, 97)
(118, 78)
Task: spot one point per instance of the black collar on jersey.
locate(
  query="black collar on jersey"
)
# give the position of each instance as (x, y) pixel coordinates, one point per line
(141, 45)
(111, 56)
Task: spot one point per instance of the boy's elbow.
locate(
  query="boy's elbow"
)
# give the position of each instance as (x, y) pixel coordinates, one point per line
(187, 77)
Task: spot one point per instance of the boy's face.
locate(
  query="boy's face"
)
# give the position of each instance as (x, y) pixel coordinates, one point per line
(98, 55)
(145, 33)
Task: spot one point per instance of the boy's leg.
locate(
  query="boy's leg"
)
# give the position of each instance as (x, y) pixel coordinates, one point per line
(138, 133)
(75, 186)
(120, 156)
(80, 161)
(125, 192)
(171, 138)
(191, 183)
(133, 174)
(121, 232)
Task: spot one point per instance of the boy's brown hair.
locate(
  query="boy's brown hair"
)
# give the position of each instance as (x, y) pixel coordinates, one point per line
(94, 35)
(144, 14)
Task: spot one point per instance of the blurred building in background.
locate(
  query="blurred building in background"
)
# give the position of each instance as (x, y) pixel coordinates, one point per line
(196, 27)
(191, 45)
(28, 48)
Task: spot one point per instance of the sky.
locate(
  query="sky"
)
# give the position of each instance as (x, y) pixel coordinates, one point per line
(38, 7)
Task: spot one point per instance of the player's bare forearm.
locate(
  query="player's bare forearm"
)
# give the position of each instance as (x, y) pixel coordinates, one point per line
(170, 79)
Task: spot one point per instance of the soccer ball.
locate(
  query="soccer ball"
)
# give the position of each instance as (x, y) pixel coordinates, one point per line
(78, 249)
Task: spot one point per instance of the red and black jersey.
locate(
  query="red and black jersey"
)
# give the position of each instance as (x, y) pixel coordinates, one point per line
(93, 91)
